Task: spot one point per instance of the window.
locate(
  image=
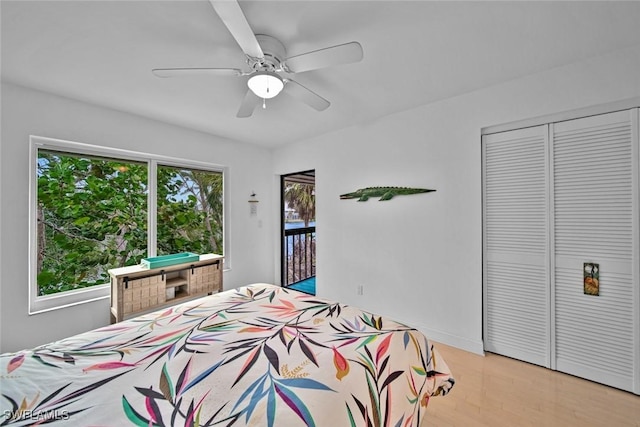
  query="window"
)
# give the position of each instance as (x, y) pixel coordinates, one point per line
(189, 210)
(91, 216)
(96, 208)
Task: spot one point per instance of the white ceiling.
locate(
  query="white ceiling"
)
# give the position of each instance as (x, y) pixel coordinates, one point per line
(415, 52)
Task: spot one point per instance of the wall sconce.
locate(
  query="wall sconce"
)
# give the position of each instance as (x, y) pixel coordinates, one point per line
(253, 204)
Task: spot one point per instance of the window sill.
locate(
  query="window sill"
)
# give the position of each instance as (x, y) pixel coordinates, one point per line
(46, 303)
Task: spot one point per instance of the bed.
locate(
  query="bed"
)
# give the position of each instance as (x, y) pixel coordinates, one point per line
(259, 355)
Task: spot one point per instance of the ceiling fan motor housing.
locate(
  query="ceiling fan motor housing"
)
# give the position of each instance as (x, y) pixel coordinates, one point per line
(274, 54)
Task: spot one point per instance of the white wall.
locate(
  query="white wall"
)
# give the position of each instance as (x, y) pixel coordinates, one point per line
(27, 112)
(420, 257)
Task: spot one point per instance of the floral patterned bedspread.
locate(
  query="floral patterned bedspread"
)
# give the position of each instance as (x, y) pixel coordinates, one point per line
(259, 355)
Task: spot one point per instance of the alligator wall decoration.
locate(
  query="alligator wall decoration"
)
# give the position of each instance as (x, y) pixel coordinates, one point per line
(385, 193)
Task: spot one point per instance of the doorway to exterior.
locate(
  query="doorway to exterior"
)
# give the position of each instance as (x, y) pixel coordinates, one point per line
(298, 207)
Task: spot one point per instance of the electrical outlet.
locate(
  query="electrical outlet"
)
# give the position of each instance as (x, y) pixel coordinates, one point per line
(360, 289)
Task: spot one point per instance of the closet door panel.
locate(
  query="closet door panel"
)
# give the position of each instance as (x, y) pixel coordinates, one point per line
(595, 216)
(516, 260)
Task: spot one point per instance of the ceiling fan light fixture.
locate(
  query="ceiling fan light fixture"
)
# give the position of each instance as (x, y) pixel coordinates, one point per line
(265, 85)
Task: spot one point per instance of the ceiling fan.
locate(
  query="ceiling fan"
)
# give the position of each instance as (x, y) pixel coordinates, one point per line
(266, 57)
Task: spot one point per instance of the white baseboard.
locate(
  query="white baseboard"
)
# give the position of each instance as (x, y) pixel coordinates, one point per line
(466, 344)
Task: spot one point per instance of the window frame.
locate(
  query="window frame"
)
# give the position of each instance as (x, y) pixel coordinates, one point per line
(40, 304)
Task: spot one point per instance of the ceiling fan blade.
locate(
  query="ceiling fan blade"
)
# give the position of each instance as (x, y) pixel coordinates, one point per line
(235, 21)
(181, 72)
(335, 55)
(249, 103)
(305, 95)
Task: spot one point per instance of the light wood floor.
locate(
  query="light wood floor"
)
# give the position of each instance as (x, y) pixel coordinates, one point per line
(497, 391)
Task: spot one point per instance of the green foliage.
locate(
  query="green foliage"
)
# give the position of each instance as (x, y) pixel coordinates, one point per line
(189, 211)
(92, 216)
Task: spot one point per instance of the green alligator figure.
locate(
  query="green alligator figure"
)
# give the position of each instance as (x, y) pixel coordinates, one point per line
(385, 193)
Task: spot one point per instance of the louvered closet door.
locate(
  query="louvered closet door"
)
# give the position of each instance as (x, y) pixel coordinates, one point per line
(595, 220)
(516, 257)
